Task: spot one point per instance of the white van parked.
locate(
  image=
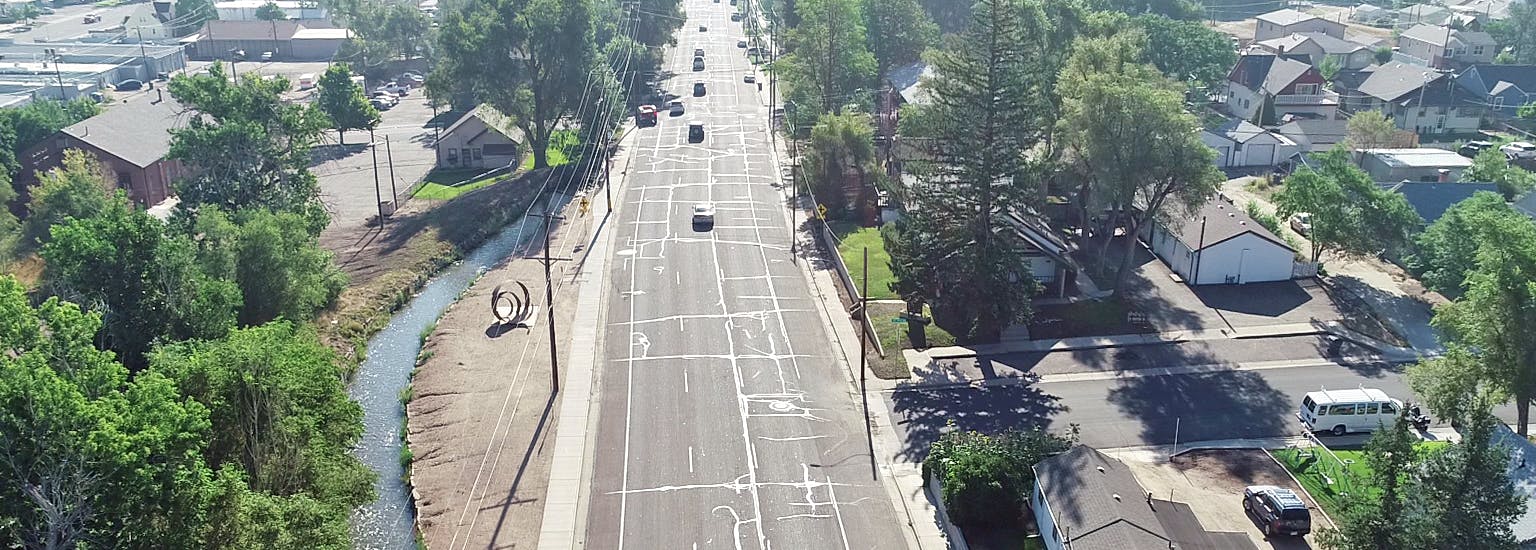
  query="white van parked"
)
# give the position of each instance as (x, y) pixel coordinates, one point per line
(1343, 411)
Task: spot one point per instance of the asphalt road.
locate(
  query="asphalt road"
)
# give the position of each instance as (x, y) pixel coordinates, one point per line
(724, 421)
(68, 22)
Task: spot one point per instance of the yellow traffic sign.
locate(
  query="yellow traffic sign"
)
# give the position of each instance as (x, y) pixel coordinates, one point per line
(821, 211)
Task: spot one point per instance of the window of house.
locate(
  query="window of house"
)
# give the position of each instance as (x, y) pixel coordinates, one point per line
(1477, 50)
(1498, 102)
(477, 153)
(465, 153)
(124, 180)
(1458, 52)
(453, 156)
(1306, 89)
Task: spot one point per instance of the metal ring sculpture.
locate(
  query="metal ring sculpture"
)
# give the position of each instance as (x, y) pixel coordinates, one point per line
(508, 307)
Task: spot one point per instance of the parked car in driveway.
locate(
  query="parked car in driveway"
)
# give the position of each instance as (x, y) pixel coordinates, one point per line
(1519, 150)
(1301, 223)
(1278, 510)
(1470, 149)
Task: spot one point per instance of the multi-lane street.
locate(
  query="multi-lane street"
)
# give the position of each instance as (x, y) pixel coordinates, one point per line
(724, 421)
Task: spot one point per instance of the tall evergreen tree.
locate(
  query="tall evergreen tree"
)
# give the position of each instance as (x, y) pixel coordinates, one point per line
(990, 105)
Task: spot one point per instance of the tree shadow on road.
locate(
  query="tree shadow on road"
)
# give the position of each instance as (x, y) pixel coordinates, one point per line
(1205, 406)
(921, 415)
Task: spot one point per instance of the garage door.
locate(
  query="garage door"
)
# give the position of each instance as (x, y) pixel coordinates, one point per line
(1261, 155)
(1223, 156)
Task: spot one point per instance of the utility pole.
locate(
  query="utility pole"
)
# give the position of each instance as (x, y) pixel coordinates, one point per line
(794, 196)
(608, 170)
(864, 323)
(390, 155)
(144, 56)
(53, 55)
(373, 146)
(549, 302)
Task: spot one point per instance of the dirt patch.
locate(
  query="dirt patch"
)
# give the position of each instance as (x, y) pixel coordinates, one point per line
(28, 270)
(1212, 483)
(386, 267)
(482, 417)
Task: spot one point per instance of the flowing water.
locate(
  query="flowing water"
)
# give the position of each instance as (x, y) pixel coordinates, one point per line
(388, 523)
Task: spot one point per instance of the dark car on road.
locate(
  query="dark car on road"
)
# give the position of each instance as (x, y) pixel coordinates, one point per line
(128, 85)
(1278, 510)
(695, 132)
(698, 89)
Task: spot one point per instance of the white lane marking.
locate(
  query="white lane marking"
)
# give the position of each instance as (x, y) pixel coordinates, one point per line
(800, 438)
(690, 451)
(685, 380)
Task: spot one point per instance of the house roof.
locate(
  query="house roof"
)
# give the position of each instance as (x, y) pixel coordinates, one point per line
(1330, 45)
(1264, 70)
(493, 119)
(1321, 134)
(1497, 78)
(1423, 12)
(1217, 221)
(1422, 157)
(1242, 131)
(1432, 199)
(1527, 204)
(1522, 474)
(1395, 80)
(908, 80)
(1286, 17)
(249, 30)
(1096, 498)
(136, 130)
(1039, 236)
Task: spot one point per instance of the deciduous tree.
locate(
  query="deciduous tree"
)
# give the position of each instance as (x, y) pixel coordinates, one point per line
(1374, 519)
(1350, 215)
(982, 474)
(1491, 166)
(839, 144)
(1187, 51)
(1517, 32)
(342, 100)
(1371, 130)
(77, 189)
(1446, 251)
(898, 32)
(1464, 495)
(530, 59)
(830, 60)
(270, 12)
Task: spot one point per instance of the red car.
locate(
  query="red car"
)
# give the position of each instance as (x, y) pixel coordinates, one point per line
(646, 115)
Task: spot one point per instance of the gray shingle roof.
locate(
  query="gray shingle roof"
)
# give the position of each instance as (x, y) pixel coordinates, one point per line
(1220, 221)
(1329, 44)
(1432, 199)
(1394, 80)
(1285, 17)
(1238, 130)
(1282, 73)
(1527, 204)
(137, 131)
(1321, 134)
(1096, 499)
(1436, 35)
(907, 81)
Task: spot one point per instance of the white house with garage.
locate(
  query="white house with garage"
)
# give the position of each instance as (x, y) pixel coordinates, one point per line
(1220, 244)
(1242, 144)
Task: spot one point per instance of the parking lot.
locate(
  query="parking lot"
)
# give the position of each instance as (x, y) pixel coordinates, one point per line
(346, 171)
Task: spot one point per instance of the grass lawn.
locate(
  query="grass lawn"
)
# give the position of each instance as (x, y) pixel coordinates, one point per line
(853, 240)
(1329, 482)
(442, 185)
(560, 142)
(894, 338)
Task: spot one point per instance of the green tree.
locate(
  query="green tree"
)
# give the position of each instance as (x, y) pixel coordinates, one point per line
(1517, 32)
(92, 458)
(1374, 519)
(191, 14)
(342, 100)
(1370, 130)
(77, 189)
(279, 411)
(1491, 166)
(1350, 214)
(1187, 51)
(982, 474)
(898, 32)
(1493, 324)
(407, 30)
(148, 285)
(281, 268)
(830, 62)
(1175, 9)
(1384, 54)
(990, 106)
(28, 125)
(839, 143)
(1329, 67)
(529, 59)
(249, 147)
(1464, 495)
(1141, 180)
(270, 12)
(1446, 251)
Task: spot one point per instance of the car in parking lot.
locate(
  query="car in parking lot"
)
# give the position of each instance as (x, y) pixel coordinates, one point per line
(698, 89)
(266, 56)
(92, 18)
(1278, 510)
(1470, 149)
(703, 28)
(393, 88)
(695, 132)
(382, 103)
(388, 98)
(675, 107)
(749, 79)
(704, 213)
(735, 17)
(1519, 150)
(698, 52)
(411, 79)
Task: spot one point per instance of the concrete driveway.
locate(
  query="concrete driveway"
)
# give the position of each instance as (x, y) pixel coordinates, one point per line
(1212, 483)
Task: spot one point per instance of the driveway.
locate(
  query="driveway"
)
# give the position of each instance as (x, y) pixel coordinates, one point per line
(1212, 483)
(346, 172)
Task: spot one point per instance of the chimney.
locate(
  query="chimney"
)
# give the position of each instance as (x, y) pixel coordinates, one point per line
(1445, 175)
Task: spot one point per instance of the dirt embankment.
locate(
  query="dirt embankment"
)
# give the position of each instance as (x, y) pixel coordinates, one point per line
(387, 267)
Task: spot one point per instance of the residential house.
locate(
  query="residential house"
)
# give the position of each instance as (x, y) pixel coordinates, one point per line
(1315, 136)
(1431, 199)
(1220, 244)
(1048, 255)
(1241, 144)
(131, 139)
(1286, 22)
(1422, 14)
(146, 25)
(1501, 88)
(1086, 500)
(1417, 98)
(1312, 48)
(903, 86)
(1375, 16)
(1420, 164)
(1263, 80)
(483, 138)
(1522, 474)
(1483, 10)
(308, 40)
(1428, 43)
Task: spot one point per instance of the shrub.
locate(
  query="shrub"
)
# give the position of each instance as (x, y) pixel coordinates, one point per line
(984, 475)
